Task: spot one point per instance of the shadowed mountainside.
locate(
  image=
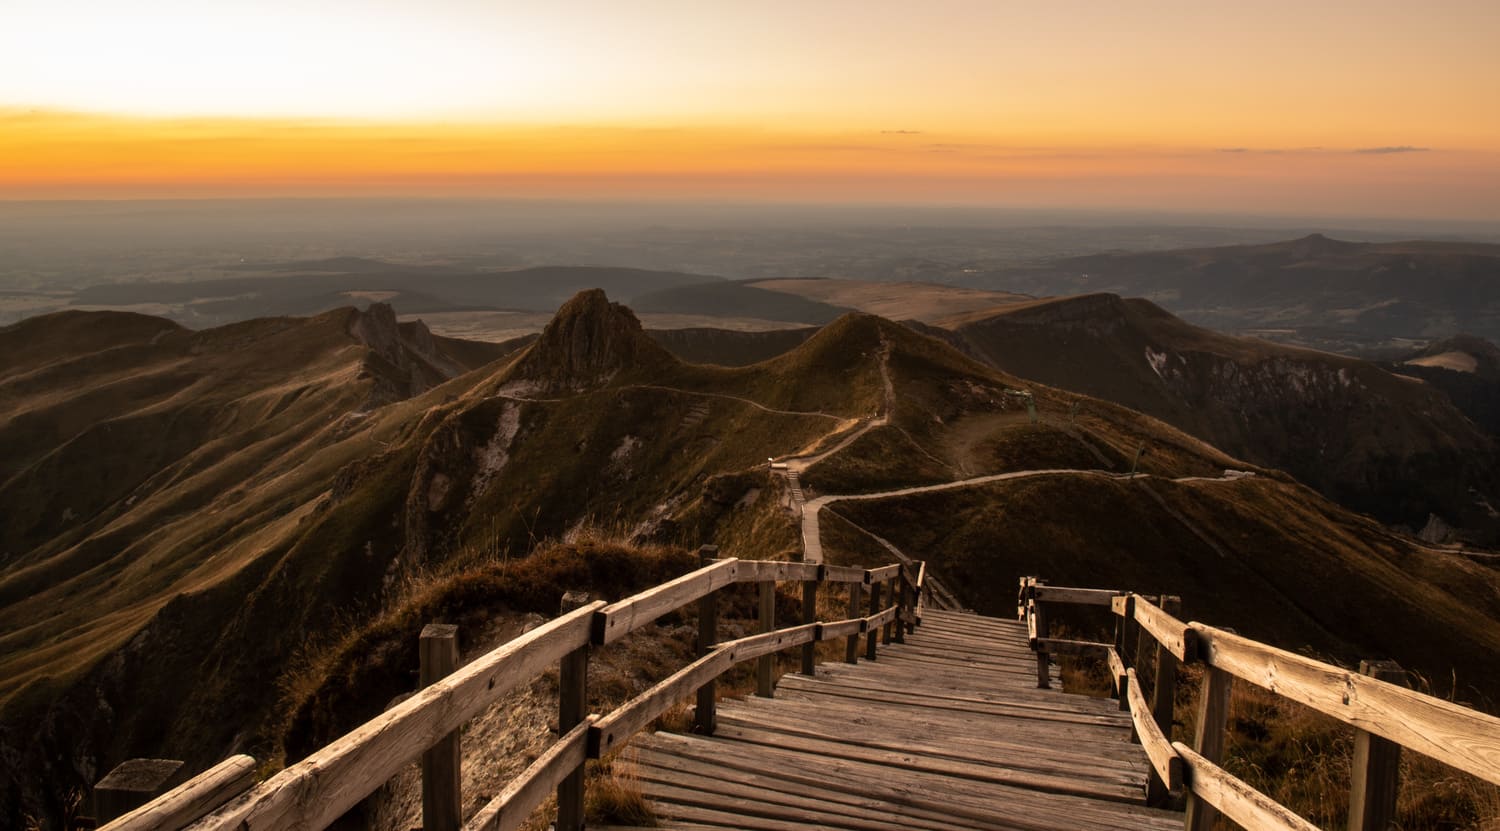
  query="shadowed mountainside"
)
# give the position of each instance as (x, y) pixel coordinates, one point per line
(1373, 440)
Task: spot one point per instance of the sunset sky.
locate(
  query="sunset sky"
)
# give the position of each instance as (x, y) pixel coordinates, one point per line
(1344, 108)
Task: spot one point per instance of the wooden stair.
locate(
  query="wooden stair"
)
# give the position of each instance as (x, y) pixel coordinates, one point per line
(947, 730)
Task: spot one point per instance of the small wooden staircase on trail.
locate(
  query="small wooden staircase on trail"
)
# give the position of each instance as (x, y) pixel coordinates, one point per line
(947, 730)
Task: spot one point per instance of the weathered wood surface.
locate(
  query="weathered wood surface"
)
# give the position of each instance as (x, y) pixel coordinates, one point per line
(192, 799)
(509, 810)
(1172, 634)
(1450, 733)
(620, 619)
(321, 788)
(1158, 746)
(1247, 807)
(1062, 594)
(940, 732)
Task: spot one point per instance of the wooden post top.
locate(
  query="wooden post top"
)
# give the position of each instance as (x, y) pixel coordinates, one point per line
(1388, 671)
(140, 775)
(438, 631)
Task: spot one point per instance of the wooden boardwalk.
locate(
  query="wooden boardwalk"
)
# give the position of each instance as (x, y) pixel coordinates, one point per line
(947, 730)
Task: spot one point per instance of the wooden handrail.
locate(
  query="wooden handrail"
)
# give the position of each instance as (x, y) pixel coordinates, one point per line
(324, 786)
(1449, 733)
(1158, 745)
(316, 791)
(192, 799)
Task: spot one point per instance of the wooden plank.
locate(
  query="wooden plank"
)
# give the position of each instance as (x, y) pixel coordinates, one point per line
(510, 809)
(194, 798)
(614, 728)
(1019, 755)
(843, 574)
(833, 630)
(572, 710)
(750, 804)
(899, 760)
(1063, 646)
(1242, 804)
(851, 647)
(766, 622)
(754, 646)
(617, 620)
(1164, 760)
(997, 805)
(871, 631)
(809, 616)
(442, 796)
(1042, 632)
(1117, 672)
(708, 636)
(322, 787)
(1376, 765)
(671, 768)
(883, 574)
(1120, 605)
(1085, 597)
(1168, 631)
(1450, 733)
(880, 618)
(780, 571)
(1213, 714)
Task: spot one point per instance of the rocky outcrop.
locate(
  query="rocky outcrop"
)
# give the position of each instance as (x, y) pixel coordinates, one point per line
(589, 341)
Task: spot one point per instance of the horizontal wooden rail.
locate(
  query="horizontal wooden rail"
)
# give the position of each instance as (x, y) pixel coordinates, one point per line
(191, 800)
(1083, 597)
(844, 574)
(1452, 734)
(324, 786)
(1449, 733)
(509, 810)
(884, 574)
(1158, 746)
(617, 620)
(1168, 631)
(757, 571)
(1063, 646)
(1236, 800)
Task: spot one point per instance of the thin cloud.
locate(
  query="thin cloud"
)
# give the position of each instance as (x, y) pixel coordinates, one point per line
(901, 132)
(1400, 148)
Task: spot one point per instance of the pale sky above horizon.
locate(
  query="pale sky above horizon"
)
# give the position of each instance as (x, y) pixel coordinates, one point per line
(1376, 107)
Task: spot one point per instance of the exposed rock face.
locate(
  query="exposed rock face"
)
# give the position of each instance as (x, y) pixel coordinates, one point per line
(587, 343)
(406, 360)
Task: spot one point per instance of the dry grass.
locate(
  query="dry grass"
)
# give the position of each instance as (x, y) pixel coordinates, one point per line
(1301, 758)
(614, 795)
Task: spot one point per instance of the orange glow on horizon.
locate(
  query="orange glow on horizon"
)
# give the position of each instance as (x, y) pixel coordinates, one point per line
(71, 155)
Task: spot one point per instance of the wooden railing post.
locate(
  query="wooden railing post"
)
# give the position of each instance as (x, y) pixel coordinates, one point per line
(1376, 766)
(708, 635)
(1038, 609)
(873, 633)
(810, 615)
(131, 784)
(1213, 713)
(441, 774)
(1122, 634)
(899, 593)
(765, 663)
(851, 649)
(1163, 697)
(572, 709)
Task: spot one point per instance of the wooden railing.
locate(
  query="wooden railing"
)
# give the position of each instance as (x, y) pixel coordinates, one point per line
(1386, 715)
(316, 791)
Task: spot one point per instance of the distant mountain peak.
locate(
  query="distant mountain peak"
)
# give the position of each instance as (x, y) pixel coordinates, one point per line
(587, 342)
